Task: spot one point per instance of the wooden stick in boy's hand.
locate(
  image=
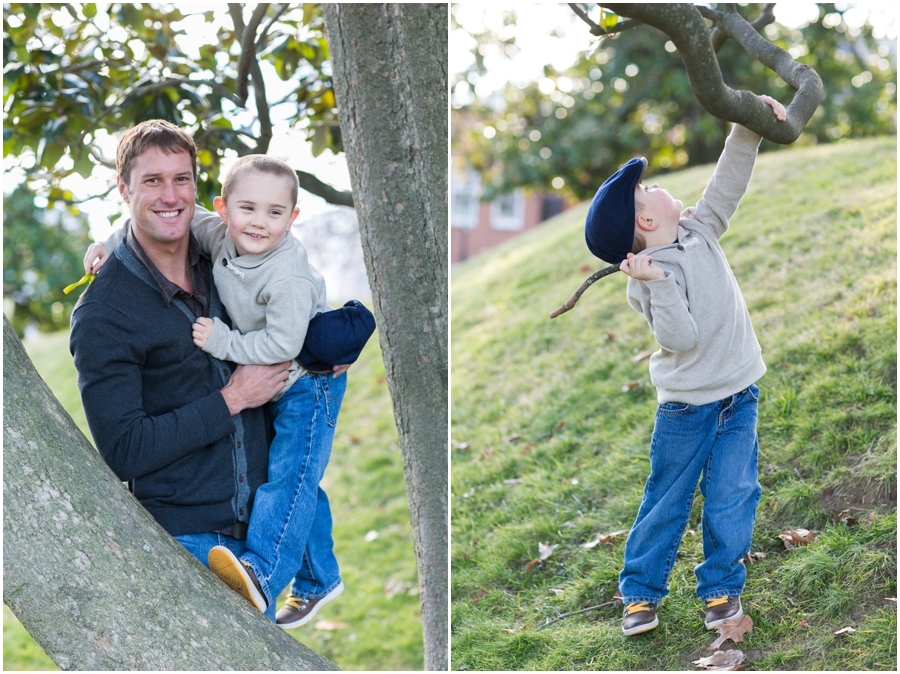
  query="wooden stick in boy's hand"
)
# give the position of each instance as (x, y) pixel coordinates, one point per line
(606, 271)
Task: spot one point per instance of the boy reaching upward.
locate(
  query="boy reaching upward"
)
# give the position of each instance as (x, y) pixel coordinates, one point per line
(704, 372)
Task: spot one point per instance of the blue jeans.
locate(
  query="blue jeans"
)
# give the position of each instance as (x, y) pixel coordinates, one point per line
(718, 442)
(290, 525)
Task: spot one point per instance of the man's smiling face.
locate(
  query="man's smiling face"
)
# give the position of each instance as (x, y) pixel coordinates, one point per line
(160, 193)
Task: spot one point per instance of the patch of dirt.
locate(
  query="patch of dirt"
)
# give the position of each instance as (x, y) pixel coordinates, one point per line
(860, 494)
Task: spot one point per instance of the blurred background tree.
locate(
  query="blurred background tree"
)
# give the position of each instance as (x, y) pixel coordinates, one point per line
(629, 95)
(76, 75)
(42, 251)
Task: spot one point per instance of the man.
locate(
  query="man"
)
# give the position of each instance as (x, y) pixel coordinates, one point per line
(185, 430)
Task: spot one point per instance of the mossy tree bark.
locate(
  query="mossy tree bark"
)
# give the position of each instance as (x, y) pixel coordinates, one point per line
(390, 81)
(89, 573)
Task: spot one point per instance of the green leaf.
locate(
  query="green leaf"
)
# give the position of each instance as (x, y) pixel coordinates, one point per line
(84, 165)
(319, 140)
(52, 153)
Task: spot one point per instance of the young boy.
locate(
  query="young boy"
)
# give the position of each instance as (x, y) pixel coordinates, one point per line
(704, 374)
(271, 292)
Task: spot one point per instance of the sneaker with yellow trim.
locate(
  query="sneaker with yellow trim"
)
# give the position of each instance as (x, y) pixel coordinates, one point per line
(720, 609)
(237, 575)
(298, 611)
(639, 617)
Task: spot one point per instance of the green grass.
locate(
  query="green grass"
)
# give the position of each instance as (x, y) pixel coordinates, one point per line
(547, 447)
(365, 484)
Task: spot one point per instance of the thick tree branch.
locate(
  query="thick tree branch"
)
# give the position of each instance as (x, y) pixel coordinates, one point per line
(685, 26)
(247, 37)
(315, 186)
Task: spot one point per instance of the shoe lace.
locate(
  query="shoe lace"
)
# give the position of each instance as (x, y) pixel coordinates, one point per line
(718, 601)
(637, 607)
(296, 602)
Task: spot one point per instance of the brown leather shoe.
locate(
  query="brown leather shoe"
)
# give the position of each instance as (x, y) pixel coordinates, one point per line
(720, 609)
(297, 611)
(639, 617)
(237, 575)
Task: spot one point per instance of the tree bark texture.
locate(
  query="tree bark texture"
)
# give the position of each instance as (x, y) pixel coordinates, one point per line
(91, 575)
(685, 26)
(390, 81)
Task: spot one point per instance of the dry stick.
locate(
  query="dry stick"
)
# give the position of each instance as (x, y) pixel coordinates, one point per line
(606, 271)
(566, 615)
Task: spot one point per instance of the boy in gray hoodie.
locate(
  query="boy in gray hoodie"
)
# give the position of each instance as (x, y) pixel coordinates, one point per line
(704, 374)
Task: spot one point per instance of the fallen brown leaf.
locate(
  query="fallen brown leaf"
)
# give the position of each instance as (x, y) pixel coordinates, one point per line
(843, 514)
(513, 437)
(845, 630)
(560, 424)
(544, 551)
(723, 661)
(803, 624)
(630, 385)
(608, 336)
(329, 625)
(517, 629)
(733, 629)
(753, 557)
(478, 596)
(794, 537)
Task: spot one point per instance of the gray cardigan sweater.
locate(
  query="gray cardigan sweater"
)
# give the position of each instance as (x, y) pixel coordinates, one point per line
(708, 349)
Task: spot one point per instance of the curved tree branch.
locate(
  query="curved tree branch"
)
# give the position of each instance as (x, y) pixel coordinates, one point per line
(315, 186)
(685, 26)
(247, 37)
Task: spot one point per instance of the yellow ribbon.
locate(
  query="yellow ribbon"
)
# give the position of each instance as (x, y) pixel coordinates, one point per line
(87, 278)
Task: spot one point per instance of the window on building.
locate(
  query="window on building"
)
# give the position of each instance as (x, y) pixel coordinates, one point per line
(508, 212)
(465, 189)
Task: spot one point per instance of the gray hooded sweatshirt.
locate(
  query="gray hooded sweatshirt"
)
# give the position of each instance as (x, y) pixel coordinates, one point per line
(708, 349)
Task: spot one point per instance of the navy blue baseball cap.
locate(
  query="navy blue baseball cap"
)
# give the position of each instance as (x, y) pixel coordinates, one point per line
(336, 337)
(609, 226)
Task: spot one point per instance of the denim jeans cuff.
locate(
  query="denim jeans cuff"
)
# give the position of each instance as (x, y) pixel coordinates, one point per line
(330, 589)
(713, 594)
(650, 600)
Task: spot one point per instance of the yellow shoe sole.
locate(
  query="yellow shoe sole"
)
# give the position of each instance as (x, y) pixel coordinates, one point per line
(230, 571)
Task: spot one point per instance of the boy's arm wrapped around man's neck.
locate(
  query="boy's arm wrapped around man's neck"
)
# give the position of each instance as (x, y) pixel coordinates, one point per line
(729, 182)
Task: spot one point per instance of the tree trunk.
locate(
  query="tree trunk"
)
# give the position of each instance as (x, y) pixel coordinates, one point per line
(390, 80)
(91, 575)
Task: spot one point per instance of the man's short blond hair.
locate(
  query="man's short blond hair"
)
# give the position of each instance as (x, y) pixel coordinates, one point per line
(152, 133)
(260, 163)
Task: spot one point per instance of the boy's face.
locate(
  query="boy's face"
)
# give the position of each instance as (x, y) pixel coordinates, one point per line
(259, 212)
(656, 204)
(160, 194)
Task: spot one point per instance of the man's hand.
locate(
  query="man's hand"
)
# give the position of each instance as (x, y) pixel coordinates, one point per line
(95, 258)
(641, 267)
(252, 385)
(777, 108)
(201, 330)
(339, 370)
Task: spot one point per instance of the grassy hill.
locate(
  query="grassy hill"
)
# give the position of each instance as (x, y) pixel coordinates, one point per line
(376, 623)
(551, 425)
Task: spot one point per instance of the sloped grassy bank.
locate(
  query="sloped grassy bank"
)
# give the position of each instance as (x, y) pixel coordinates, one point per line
(551, 422)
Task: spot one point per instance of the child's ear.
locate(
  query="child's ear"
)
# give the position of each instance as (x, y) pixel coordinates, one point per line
(645, 223)
(219, 205)
(291, 221)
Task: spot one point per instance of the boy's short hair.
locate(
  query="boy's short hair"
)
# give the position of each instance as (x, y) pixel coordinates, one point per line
(152, 133)
(261, 163)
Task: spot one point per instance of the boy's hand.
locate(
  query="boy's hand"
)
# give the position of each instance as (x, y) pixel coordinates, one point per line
(777, 108)
(339, 370)
(201, 330)
(95, 258)
(641, 267)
